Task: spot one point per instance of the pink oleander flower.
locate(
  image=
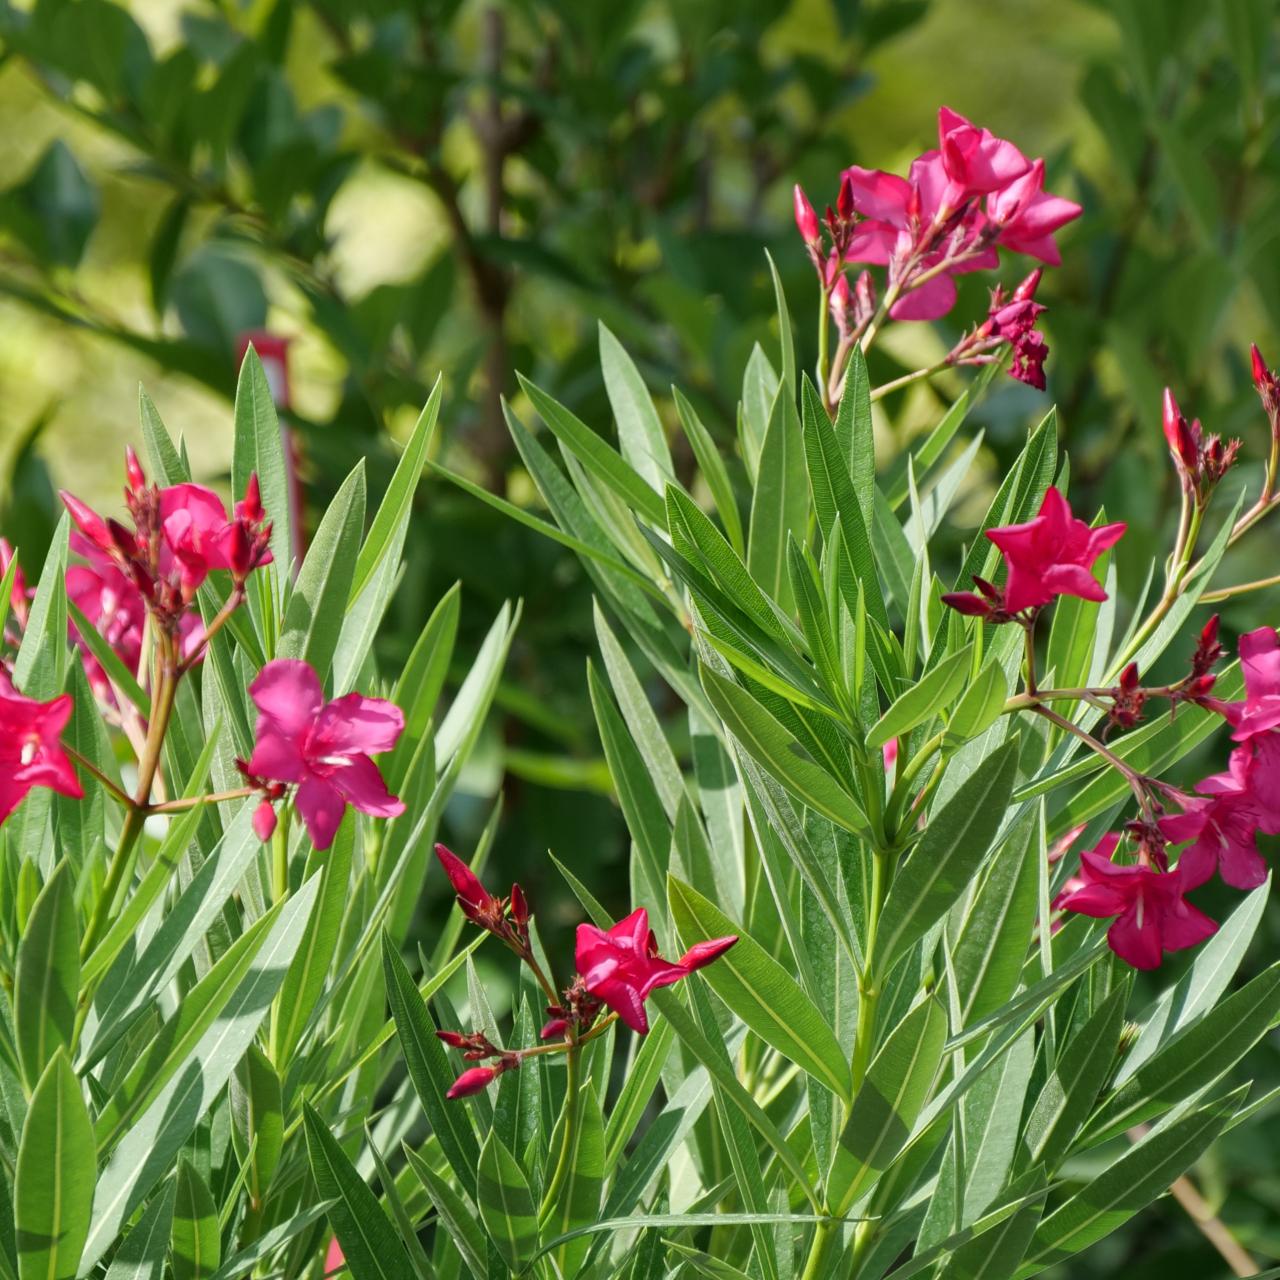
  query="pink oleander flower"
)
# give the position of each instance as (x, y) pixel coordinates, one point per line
(1014, 321)
(900, 214)
(1028, 215)
(31, 754)
(975, 161)
(621, 966)
(324, 749)
(1225, 819)
(118, 611)
(1151, 912)
(1259, 711)
(1052, 555)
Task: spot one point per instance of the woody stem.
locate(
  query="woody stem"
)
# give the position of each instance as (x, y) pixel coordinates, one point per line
(90, 768)
(1130, 776)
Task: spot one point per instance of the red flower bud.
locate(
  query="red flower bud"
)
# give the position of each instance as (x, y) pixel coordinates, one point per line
(88, 521)
(249, 508)
(806, 219)
(973, 606)
(556, 1027)
(473, 1080)
(519, 906)
(133, 470)
(474, 899)
(844, 201)
(703, 953)
(454, 1039)
(264, 821)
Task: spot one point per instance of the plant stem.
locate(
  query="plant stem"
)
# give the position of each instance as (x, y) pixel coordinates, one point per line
(565, 1159)
(868, 988)
(1130, 776)
(90, 768)
(193, 802)
(279, 891)
(885, 388)
(1241, 588)
(136, 816)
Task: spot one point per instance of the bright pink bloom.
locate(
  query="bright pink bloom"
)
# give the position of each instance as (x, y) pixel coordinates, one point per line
(1052, 555)
(1028, 215)
(975, 160)
(473, 1080)
(621, 966)
(30, 752)
(1260, 663)
(323, 748)
(1152, 914)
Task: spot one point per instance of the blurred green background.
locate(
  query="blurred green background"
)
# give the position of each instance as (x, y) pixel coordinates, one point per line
(406, 189)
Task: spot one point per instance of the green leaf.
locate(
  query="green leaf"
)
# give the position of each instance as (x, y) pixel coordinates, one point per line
(853, 428)
(887, 1104)
(780, 504)
(947, 856)
(197, 1242)
(713, 470)
(147, 1150)
(506, 1204)
(1072, 1089)
(404, 1225)
(368, 1239)
(1130, 1184)
(456, 1214)
(175, 1042)
(595, 454)
(761, 992)
(785, 338)
(834, 493)
(579, 1200)
(981, 705)
(259, 448)
(109, 660)
(47, 977)
(313, 616)
(995, 1253)
(990, 946)
(759, 391)
(257, 1112)
(692, 1038)
(429, 1068)
(386, 531)
(1198, 1055)
(162, 457)
(141, 1255)
(53, 1184)
(1199, 989)
(42, 656)
(927, 698)
(781, 754)
(644, 444)
(306, 977)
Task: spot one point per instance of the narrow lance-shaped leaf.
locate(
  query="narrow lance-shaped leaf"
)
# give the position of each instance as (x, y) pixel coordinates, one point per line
(47, 979)
(887, 1104)
(946, 857)
(506, 1204)
(368, 1239)
(54, 1180)
(935, 691)
(197, 1242)
(761, 992)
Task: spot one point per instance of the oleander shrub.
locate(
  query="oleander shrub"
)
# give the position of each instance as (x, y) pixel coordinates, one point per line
(862, 1018)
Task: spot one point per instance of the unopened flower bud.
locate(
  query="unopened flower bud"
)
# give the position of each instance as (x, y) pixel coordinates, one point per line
(473, 1080)
(264, 821)
(554, 1028)
(844, 201)
(1267, 383)
(806, 219)
(133, 470)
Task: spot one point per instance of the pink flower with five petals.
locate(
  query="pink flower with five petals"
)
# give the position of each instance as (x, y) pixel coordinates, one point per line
(322, 748)
(1151, 912)
(31, 754)
(621, 966)
(1052, 555)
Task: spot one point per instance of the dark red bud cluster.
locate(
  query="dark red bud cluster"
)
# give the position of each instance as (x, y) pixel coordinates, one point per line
(987, 603)
(1201, 460)
(1127, 700)
(476, 1047)
(1267, 382)
(505, 918)
(839, 223)
(579, 1010)
(1151, 844)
